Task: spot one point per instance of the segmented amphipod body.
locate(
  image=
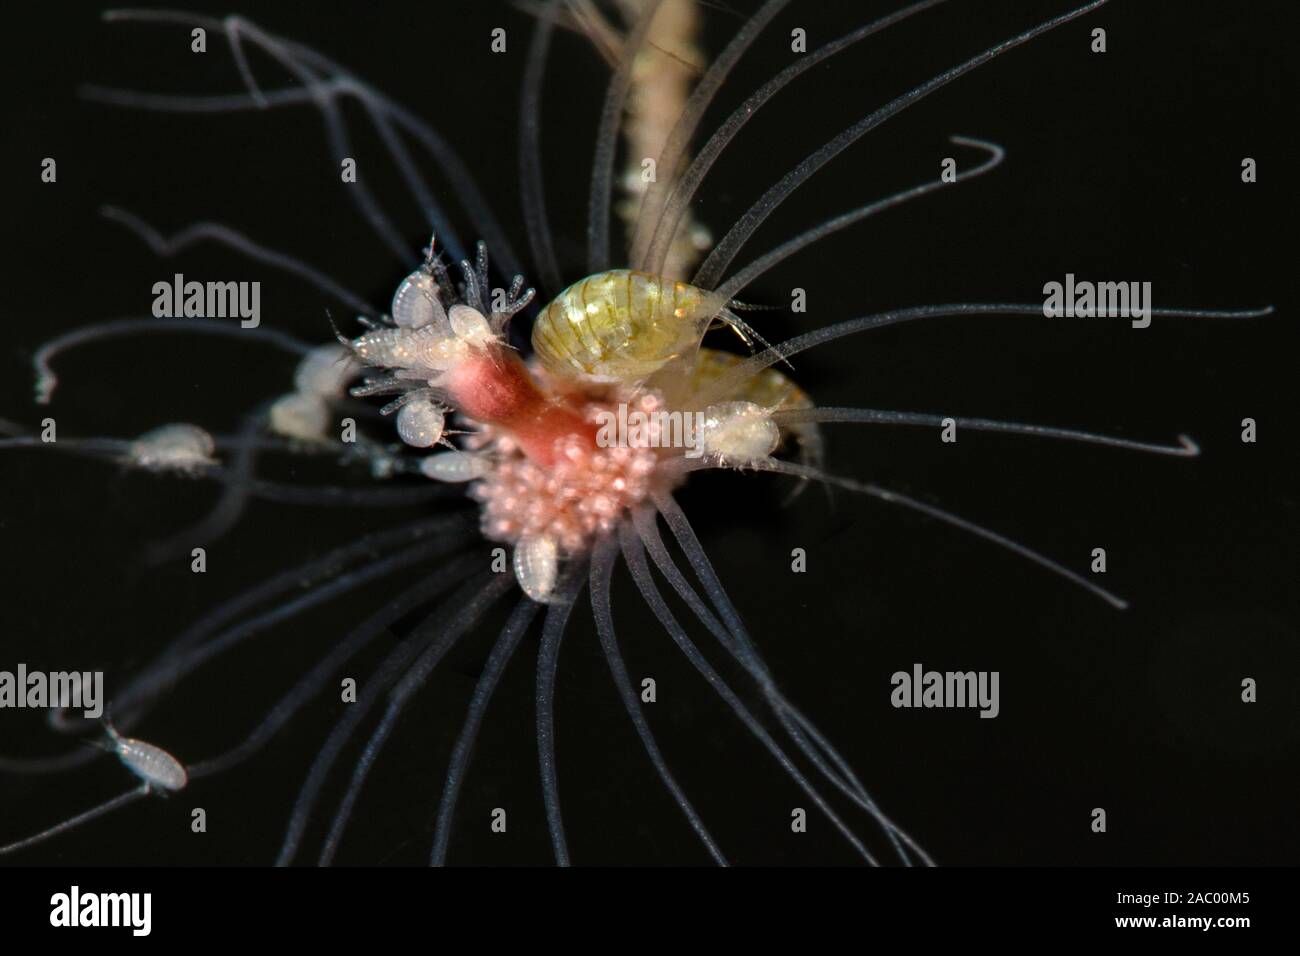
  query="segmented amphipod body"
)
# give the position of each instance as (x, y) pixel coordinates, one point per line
(155, 766)
(739, 433)
(769, 388)
(619, 326)
(324, 372)
(536, 562)
(455, 466)
(416, 303)
(420, 423)
(321, 378)
(181, 447)
(427, 348)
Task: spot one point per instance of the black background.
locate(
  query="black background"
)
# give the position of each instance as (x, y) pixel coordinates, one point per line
(1120, 166)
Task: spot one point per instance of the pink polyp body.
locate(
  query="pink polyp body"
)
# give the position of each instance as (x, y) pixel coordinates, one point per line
(496, 388)
(550, 477)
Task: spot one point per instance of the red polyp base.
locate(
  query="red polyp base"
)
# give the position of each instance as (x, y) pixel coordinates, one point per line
(495, 387)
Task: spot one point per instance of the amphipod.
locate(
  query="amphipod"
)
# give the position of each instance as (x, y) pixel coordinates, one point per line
(623, 326)
(158, 771)
(154, 766)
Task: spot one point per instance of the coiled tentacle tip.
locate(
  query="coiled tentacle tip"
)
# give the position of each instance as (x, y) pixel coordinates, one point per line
(45, 386)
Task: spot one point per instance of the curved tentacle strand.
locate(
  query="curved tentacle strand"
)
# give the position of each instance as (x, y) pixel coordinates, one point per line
(602, 568)
(548, 656)
(720, 258)
(500, 656)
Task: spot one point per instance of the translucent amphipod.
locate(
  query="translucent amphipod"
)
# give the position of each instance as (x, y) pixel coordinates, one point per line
(420, 423)
(739, 433)
(418, 303)
(536, 562)
(325, 371)
(623, 326)
(425, 349)
(180, 447)
(321, 377)
(158, 771)
(471, 326)
(770, 389)
(155, 767)
(425, 335)
(455, 466)
(298, 416)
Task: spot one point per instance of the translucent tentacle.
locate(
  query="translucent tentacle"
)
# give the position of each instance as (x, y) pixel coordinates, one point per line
(71, 823)
(736, 640)
(498, 659)
(634, 555)
(405, 677)
(743, 278)
(548, 655)
(1186, 448)
(602, 568)
(326, 667)
(683, 189)
(47, 381)
(720, 258)
(729, 382)
(168, 246)
(322, 93)
(602, 168)
(894, 497)
(532, 188)
(670, 157)
(129, 706)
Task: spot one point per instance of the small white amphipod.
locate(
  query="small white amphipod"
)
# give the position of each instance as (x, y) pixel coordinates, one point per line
(321, 377)
(536, 561)
(455, 466)
(739, 432)
(470, 326)
(180, 447)
(301, 416)
(155, 766)
(158, 771)
(416, 303)
(325, 371)
(425, 348)
(420, 423)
